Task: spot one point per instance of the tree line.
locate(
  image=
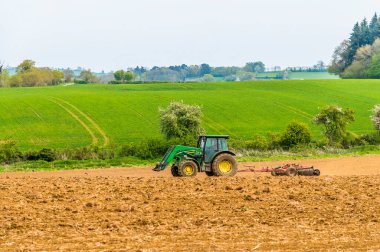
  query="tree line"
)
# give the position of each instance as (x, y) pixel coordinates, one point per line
(202, 72)
(359, 55)
(28, 75)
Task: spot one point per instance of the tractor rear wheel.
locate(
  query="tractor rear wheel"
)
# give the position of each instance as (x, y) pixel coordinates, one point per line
(224, 165)
(187, 168)
(174, 171)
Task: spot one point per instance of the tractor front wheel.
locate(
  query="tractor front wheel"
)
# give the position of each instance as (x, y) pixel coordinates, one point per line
(187, 169)
(174, 171)
(224, 165)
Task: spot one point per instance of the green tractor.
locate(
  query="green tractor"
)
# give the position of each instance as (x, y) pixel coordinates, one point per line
(211, 156)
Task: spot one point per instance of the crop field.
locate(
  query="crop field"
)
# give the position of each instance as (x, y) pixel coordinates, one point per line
(80, 115)
(135, 209)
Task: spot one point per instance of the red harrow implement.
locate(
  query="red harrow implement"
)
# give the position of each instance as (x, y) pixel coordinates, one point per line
(287, 170)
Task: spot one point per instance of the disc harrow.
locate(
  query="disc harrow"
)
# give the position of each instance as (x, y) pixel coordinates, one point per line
(290, 170)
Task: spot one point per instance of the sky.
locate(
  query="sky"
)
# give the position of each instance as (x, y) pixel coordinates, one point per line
(117, 34)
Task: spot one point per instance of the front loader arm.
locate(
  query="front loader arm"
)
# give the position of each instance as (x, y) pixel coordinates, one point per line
(172, 153)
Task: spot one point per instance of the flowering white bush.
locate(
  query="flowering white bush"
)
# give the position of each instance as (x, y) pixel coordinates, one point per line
(376, 117)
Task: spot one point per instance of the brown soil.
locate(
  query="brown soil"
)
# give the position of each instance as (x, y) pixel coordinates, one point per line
(136, 209)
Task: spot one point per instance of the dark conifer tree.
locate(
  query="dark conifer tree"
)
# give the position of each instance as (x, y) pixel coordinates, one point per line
(365, 38)
(355, 42)
(374, 28)
(362, 34)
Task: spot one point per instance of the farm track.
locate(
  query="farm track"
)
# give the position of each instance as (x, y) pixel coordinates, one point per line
(90, 125)
(95, 140)
(294, 110)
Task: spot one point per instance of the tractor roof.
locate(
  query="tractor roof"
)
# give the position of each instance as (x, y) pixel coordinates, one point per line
(216, 136)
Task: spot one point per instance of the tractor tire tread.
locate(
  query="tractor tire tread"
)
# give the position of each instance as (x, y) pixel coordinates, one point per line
(183, 164)
(218, 159)
(174, 171)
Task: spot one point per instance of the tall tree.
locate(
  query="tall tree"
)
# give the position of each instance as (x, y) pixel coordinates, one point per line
(374, 27)
(365, 33)
(335, 120)
(193, 71)
(355, 43)
(68, 75)
(128, 76)
(25, 66)
(205, 69)
(255, 67)
(88, 77)
(119, 75)
(139, 71)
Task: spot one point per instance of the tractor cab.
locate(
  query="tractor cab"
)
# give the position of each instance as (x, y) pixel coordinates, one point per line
(211, 145)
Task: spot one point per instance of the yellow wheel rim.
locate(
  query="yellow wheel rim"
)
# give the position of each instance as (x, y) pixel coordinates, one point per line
(225, 166)
(188, 170)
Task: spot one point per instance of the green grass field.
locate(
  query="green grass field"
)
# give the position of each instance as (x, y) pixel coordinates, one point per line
(74, 116)
(300, 75)
(312, 76)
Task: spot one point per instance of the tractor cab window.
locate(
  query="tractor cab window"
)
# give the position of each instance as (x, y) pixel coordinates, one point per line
(222, 144)
(201, 143)
(211, 148)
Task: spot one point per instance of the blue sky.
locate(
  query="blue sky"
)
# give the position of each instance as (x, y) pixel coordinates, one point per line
(115, 34)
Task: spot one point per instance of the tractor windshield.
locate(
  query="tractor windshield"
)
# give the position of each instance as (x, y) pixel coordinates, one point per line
(222, 144)
(211, 148)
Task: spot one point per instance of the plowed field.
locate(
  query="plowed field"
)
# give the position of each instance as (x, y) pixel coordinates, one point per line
(137, 210)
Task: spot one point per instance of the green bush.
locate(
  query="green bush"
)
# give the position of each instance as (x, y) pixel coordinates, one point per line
(351, 140)
(127, 150)
(373, 139)
(86, 153)
(257, 143)
(150, 149)
(9, 152)
(47, 155)
(321, 143)
(80, 81)
(274, 141)
(296, 133)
